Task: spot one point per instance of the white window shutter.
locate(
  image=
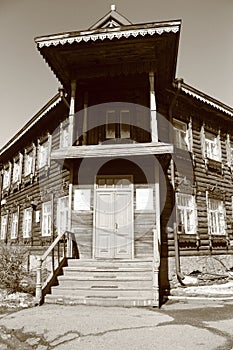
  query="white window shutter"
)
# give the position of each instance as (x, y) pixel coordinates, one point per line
(202, 136)
(228, 150)
(189, 136)
(49, 148)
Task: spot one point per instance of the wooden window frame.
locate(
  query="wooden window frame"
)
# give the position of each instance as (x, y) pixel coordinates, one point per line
(14, 224)
(184, 214)
(3, 235)
(46, 222)
(219, 216)
(27, 223)
(66, 211)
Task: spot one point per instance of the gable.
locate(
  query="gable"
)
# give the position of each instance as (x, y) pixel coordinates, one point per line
(110, 20)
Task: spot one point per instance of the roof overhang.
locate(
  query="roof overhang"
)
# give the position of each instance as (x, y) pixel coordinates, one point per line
(83, 54)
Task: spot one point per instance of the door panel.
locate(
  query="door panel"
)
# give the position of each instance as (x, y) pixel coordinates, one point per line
(104, 224)
(123, 224)
(114, 224)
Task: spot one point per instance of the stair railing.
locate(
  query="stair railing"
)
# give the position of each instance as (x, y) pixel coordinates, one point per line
(69, 249)
(156, 265)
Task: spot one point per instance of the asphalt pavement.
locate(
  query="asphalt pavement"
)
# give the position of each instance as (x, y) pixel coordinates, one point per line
(185, 324)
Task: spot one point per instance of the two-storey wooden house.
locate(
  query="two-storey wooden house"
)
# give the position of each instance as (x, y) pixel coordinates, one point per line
(132, 163)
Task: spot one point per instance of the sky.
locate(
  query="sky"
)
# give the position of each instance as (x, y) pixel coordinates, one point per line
(205, 59)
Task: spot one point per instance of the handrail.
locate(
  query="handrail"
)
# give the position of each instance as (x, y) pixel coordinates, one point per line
(156, 265)
(70, 250)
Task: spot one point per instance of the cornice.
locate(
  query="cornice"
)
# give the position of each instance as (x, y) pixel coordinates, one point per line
(115, 33)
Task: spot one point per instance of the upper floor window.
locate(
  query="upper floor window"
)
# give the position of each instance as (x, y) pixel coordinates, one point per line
(186, 213)
(6, 178)
(16, 171)
(46, 218)
(65, 139)
(14, 225)
(27, 222)
(3, 227)
(62, 214)
(182, 135)
(118, 124)
(43, 154)
(229, 151)
(28, 163)
(216, 217)
(212, 146)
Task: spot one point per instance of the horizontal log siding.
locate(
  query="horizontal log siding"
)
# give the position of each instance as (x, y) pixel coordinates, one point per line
(206, 179)
(44, 186)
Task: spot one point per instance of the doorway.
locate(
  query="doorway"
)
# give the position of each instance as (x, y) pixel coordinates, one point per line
(113, 219)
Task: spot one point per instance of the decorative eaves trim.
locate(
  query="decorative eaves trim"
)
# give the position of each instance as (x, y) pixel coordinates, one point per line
(63, 39)
(30, 125)
(207, 101)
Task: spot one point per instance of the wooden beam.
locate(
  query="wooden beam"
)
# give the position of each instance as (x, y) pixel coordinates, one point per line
(96, 151)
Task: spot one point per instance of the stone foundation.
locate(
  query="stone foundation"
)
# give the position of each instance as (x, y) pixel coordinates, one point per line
(209, 264)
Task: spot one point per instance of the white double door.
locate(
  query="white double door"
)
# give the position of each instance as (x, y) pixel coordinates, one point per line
(113, 224)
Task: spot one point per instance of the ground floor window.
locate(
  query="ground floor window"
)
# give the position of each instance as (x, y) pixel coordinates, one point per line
(62, 214)
(186, 213)
(46, 219)
(216, 217)
(14, 225)
(27, 222)
(3, 227)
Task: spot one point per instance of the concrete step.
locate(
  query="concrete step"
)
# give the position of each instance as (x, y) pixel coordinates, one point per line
(79, 271)
(124, 302)
(104, 282)
(102, 292)
(73, 282)
(116, 264)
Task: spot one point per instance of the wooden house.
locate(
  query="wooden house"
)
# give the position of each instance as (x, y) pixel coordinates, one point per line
(127, 166)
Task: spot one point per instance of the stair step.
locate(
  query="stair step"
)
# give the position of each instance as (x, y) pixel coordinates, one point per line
(101, 292)
(122, 284)
(125, 302)
(104, 282)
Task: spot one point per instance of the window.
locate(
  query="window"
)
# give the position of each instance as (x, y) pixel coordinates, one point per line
(28, 163)
(65, 135)
(6, 178)
(216, 217)
(16, 172)
(27, 222)
(229, 151)
(62, 214)
(180, 134)
(14, 225)
(186, 213)
(212, 146)
(3, 227)
(118, 124)
(46, 219)
(43, 154)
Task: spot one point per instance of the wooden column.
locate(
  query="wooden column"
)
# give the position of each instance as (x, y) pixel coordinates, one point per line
(154, 126)
(72, 110)
(85, 118)
(156, 241)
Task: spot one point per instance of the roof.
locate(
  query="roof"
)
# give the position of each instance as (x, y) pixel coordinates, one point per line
(35, 119)
(109, 46)
(201, 96)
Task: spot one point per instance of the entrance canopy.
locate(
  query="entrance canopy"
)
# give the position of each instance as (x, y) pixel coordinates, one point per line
(113, 45)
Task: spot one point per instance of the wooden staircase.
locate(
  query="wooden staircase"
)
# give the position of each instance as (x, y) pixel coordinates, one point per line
(105, 282)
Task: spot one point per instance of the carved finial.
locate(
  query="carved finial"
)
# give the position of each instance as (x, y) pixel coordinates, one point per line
(113, 7)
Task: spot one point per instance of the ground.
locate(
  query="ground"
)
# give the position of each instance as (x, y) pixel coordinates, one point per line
(187, 324)
(194, 318)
